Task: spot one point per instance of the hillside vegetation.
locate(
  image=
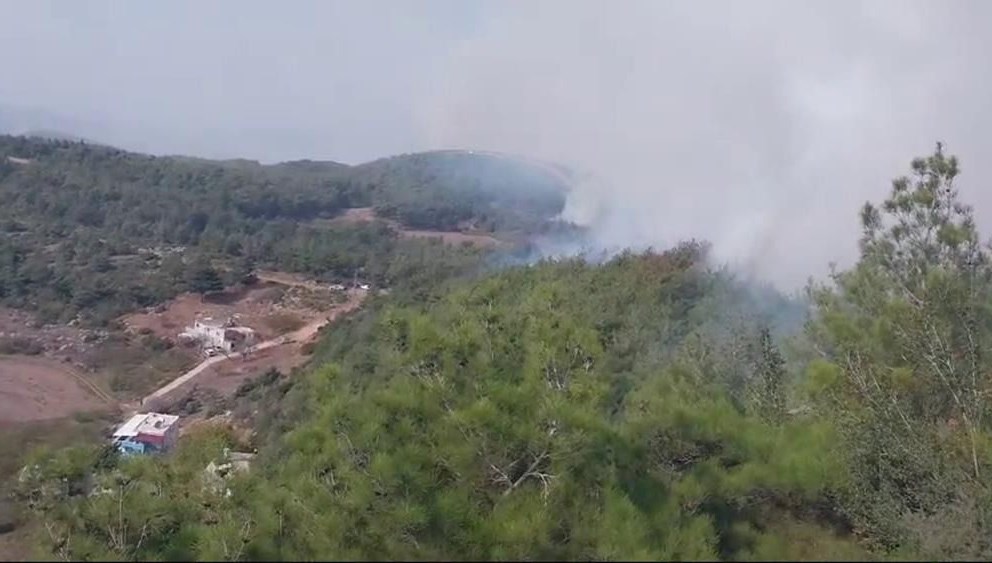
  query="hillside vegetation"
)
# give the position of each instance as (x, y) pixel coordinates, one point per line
(489, 193)
(647, 408)
(95, 231)
(639, 409)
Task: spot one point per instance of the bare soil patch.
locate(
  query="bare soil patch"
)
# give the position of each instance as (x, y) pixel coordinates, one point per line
(73, 370)
(454, 238)
(255, 307)
(117, 365)
(226, 377)
(288, 353)
(21, 333)
(17, 545)
(284, 322)
(359, 215)
(34, 388)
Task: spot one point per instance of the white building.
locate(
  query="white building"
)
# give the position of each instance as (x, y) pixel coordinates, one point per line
(207, 331)
(220, 336)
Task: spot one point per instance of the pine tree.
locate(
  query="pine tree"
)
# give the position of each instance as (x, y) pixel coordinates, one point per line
(770, 377)
(203, 278)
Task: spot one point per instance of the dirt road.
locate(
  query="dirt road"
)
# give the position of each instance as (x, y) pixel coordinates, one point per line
(307, 332)
(283, 278)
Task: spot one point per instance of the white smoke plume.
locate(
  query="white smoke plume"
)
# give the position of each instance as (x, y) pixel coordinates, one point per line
(758, 126)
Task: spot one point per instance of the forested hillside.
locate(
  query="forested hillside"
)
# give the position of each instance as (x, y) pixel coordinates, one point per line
(488, 192)
(560, 411)
(651, 407)
(94, 231)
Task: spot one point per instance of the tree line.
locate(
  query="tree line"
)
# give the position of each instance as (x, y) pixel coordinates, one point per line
(90, 232)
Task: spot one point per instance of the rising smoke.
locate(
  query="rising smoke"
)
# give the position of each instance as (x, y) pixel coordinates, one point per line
(759, 126)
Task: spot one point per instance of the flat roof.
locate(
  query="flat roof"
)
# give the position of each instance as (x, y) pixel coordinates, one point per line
(146, 423)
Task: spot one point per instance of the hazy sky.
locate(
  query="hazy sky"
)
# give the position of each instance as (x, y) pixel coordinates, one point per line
(268, 80)
(759, 125)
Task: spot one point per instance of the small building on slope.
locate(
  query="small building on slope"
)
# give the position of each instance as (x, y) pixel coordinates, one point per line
(147, 433)
(220, 336)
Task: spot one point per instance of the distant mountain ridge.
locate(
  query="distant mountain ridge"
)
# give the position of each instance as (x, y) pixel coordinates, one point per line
(53, 135)
(40, 123)
(434, 190)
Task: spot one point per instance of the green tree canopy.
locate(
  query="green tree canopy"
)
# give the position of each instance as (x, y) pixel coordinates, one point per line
(904, 369)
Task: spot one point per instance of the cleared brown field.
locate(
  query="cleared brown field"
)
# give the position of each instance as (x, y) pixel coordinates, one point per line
(252, 306)
(36, 388)
(225, 375)
(367, 214)
(452, 237)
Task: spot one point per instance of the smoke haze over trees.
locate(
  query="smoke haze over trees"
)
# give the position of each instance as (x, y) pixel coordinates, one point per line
(739, 125)
(651, 392)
